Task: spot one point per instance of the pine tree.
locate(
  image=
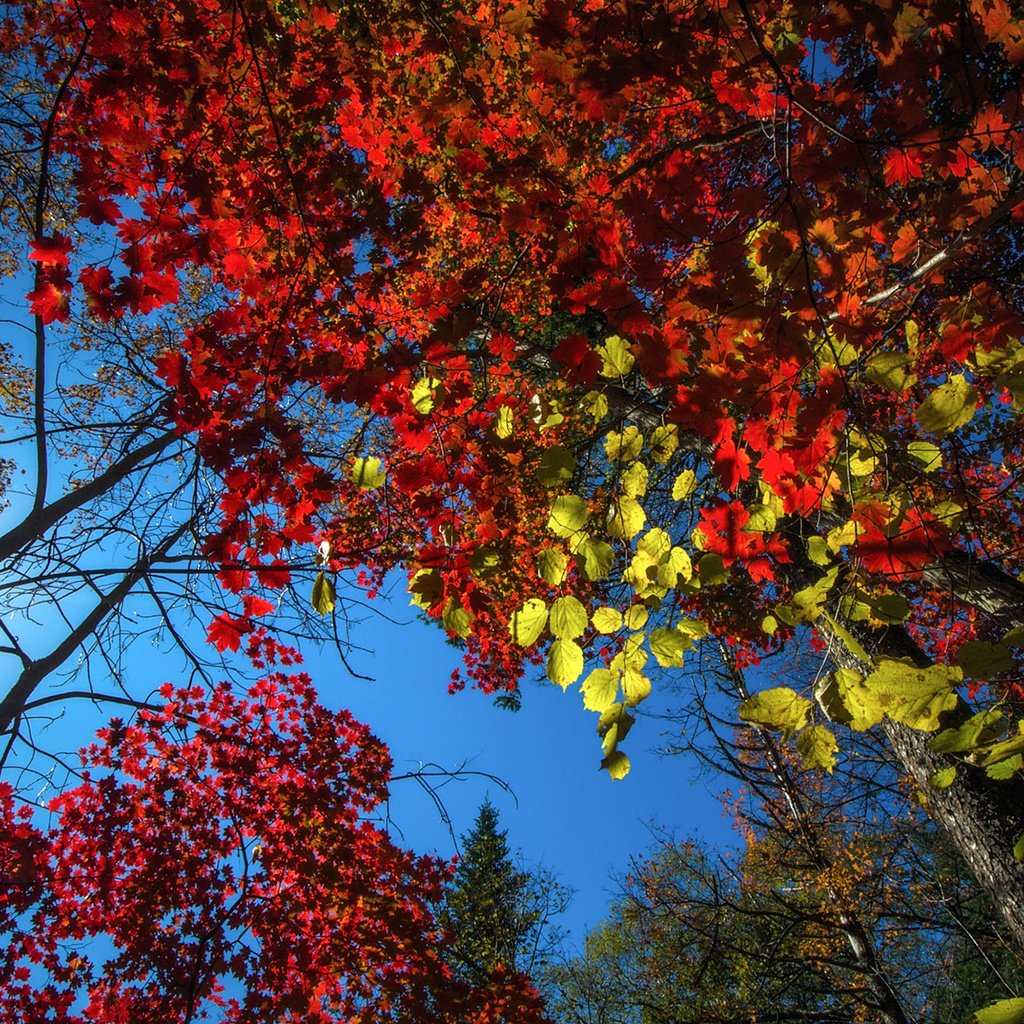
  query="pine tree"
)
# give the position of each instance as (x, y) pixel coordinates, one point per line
(497, 913)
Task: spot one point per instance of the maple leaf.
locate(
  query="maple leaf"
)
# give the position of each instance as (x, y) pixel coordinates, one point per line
(902, 166)
(225, 632)
(50, 251)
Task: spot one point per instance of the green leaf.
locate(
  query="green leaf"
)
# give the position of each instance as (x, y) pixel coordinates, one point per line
(674, 565)
(568, 514)
(552, 566)
(600, 689)
(1018, 849)
(595, 558)
(483, 562)
(817, 746)
(808, 604)
(1003, 770)
(850, 642)
(635, 617)
(456, 619)
(323, 595)
(568, 618)
(943, 778)
(685, 484)
(616, 359)
(668, 647)
(980, 660)
(565, 662)
(617, 765)
(1006, 1011)
(978, 730)
(927, 455)
(762, 519)
(949, 406)
(607, 620)
(890, 608)
(712, 570)
(1015, 637)
(779, 709)
(656, 543)
(1001, 751)
(528, 623)
(426, 588)
(556, 466)
(626, 518)
(817, 551)
(889, 369)
(693, 628)
(366, 473)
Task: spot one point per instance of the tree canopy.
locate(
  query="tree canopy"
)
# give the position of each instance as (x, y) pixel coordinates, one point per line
(615, 326)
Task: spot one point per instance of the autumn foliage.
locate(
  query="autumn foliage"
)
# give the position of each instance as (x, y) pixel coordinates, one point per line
(219, 860)
(612, 325)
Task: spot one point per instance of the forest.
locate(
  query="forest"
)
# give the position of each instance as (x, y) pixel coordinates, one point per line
(658, 350)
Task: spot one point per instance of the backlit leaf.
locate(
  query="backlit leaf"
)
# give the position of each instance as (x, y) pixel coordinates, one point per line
(568, 514)
(684, 485)
(949, 406)
(528, 623)
(600, 689)
(817, 746)
(557, 466)
(595, 558)
(323, 595)
(366, 473)
(779, 709)
(607, 620)
(616, 359)
(552, 566)
(626, 518)
(565, 662)
(568, 618)
(617, 765)
(1006, 1011)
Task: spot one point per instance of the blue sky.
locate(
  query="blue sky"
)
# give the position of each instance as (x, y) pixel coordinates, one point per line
(564, 812)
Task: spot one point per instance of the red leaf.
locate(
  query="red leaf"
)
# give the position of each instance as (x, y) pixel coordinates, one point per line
(51, 251)
(225, 633)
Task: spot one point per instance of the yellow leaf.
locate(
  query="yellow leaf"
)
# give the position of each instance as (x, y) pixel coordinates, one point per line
(685, 484)
(607, 620)
(366, 473)
(565, 662)
(616, 359)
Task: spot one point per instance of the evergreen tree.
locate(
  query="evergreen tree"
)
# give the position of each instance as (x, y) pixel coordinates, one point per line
(497, 912)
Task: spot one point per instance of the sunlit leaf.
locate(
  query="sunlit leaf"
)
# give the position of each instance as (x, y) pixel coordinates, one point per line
(323, 596)
(817, 746)
(616, 359)
(528, 623)
(568, 618)
(779, 709)
(949, 406)
(684, 485)
(565, 662)
(600, 689)
(568, 514)
(552, 566)
(367, 474)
